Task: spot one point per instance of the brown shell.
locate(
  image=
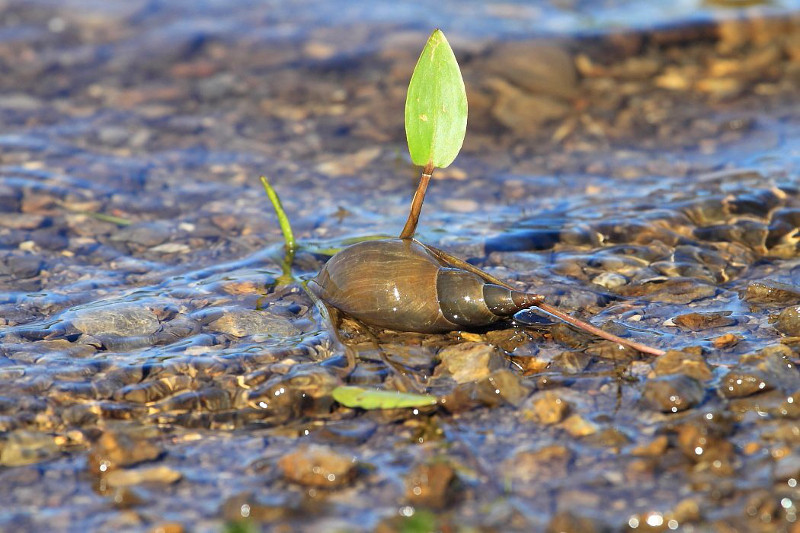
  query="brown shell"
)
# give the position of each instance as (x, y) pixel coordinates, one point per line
(387, 283)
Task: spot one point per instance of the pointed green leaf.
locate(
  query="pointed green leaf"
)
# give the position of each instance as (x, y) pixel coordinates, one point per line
(436, 106)
(380, 399)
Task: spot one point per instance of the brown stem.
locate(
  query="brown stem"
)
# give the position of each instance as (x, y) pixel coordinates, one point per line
(547, 308)
(416, 204)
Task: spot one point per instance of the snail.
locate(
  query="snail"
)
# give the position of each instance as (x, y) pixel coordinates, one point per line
(405, 285)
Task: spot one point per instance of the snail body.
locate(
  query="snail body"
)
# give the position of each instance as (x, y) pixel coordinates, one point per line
(401, 284)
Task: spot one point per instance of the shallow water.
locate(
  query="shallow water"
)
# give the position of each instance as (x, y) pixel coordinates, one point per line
(639, 167)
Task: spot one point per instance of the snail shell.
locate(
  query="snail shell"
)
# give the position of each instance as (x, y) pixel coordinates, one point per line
(399, 284)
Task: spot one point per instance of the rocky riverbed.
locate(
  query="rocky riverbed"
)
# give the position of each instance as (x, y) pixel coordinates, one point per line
(158, 374)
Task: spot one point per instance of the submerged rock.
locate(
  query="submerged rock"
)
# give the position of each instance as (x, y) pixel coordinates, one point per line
(763, 371)
(789, 321)
(318, 466)
(771, 292)
(704, 440)
(499, 388)
(540, 464)
(116, 449)
(671, 290)
(673, 393)
(546, 407)
(23, 447)
(579, 426)
(741, 383)
(247, 322)
(701, 321)
(123, 320)
(434, 485)
(302, 391)
(153, 474)
(675, 362)
(468, 361)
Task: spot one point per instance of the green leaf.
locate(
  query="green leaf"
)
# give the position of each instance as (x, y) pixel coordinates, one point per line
(436, 106)
(380, 399)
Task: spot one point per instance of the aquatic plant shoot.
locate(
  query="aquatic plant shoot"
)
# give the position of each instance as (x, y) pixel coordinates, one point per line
(435, 116)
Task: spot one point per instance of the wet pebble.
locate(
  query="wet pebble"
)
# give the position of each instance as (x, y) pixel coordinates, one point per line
(501, 387)
(672, 290)
(114, 449)
(536, 67)
(144, 235)
(302, 391)
(579, 426)
(610, 280)
(571, 362)
(524, 112)
(673, 393)
(117, 320)
(540, 464)
(22, 221)
(707, 444)
(653, 448)
(317, 466)
(741, 383)
(701, 321)
(154, 474)
(468, 361)
(546, 407)
(727, 340)
(247, 322)
(788, 321)
(676, 362)
(434, 485)
(21, 266)
(771, 292)
(763, 371)
(23, 447)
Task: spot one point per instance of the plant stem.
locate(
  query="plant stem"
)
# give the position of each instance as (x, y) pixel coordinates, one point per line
(416, 204)
(283, 220)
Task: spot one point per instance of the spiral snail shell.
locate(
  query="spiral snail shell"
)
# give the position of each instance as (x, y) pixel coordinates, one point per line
(401, 284)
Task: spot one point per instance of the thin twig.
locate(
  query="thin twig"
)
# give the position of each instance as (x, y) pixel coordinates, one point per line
(549, 309)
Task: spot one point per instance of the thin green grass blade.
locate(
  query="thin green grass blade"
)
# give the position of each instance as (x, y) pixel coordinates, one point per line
(283, 220)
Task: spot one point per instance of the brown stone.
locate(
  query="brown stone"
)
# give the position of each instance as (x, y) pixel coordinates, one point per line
(431, 485)
(317, 466)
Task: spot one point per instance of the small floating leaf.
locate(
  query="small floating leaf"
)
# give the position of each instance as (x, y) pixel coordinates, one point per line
(380, 399)
(436, 106)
